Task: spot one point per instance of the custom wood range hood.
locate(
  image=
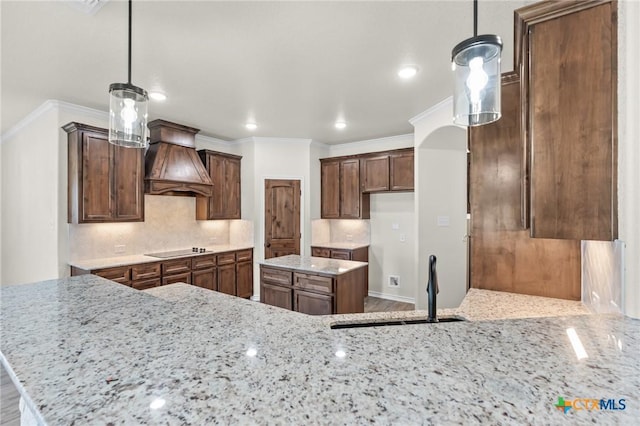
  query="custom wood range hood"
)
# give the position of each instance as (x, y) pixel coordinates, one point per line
(172, 165)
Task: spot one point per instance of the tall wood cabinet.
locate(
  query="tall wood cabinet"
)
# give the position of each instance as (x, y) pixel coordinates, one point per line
(568, 54)
(503, 256)
(224, 171)
(105, 182)
(341, 197)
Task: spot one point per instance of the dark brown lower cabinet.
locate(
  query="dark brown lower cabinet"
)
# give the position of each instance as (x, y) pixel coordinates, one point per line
(360, 254)
(229, 272)
(244, 279)
(276, 295)
(312, 303)
(227, 279)
(312, 293)
(205, 278)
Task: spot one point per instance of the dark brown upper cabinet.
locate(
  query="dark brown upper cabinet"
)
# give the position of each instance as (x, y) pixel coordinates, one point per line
(568, 60)
(341, 197)
(496, 171)
(224, 171)
(105, 181)
(387, 171)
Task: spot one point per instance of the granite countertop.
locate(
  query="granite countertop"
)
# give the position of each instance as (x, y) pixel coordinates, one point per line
(84, 350)
(480, 305)
(342, 245)
(111, 262)
(321, 265)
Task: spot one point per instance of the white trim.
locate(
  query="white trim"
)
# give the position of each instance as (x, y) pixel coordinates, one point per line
(366, 143)
(447, 102)
(255, 298)
(393, 297)
(47, 106)
(203, 138)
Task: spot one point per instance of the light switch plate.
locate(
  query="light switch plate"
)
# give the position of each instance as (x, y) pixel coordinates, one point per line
(395, 226)
(443, 221)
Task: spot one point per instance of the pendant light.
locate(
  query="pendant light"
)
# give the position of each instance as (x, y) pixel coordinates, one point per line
(476, 66)
(128, 110)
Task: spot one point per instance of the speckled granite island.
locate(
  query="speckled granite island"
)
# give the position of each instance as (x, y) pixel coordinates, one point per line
(85, 350)
(313, 285)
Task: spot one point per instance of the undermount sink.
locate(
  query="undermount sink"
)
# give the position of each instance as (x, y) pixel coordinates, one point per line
(383, 323)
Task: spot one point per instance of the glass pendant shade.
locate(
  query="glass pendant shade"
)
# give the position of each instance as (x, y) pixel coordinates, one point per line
(476, 67)
(128, 106)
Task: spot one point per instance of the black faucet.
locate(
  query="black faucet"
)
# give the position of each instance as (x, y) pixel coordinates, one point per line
(432, 289)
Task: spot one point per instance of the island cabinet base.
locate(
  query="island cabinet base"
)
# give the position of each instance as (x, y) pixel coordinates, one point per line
(313, 293)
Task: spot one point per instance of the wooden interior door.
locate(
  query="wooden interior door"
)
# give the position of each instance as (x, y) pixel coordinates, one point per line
(282, 218)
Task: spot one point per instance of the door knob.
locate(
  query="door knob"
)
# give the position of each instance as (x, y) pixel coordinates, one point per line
(267, 245)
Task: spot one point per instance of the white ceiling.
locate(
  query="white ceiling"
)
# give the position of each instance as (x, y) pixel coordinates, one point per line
(293, 67)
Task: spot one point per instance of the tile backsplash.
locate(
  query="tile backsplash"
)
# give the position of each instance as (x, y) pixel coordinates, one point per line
(340, 231)
(169, 224)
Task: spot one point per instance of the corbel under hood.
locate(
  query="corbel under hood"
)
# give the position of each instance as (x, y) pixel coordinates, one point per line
(172, 166)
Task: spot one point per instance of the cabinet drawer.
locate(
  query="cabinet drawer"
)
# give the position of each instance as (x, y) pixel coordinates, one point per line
(244, 255)
(341, 254)
(145, 284)
(176, 266)
(203, 262)
(178, 278)
(275, 276)
(312, 303)
(226, 258)
(121, 274)
(144, 271)
(320, 252)
(313, 282)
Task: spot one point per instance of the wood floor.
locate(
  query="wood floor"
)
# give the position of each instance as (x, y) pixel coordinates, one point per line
(375, 304)
(9, 397)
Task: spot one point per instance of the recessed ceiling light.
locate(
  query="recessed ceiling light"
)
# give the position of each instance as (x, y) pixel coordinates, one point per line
(340, 124)
(251, 126)
(157, 96)
(408, 71)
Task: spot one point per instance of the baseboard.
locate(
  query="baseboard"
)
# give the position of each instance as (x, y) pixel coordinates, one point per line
(392, 297)
(255, 297)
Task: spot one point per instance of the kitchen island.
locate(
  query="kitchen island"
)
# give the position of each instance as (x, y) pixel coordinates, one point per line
(314, 285)
(85, 350)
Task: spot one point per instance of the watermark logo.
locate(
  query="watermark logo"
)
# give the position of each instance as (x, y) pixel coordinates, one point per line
(590, 404)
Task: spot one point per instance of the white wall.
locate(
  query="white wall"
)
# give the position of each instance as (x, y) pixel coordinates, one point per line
(316, 152)
(30, 194)
(440, 191)
(1, 203)
(629, 150)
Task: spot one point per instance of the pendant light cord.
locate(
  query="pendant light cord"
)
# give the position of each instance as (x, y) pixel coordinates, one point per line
(129, 80)
(475, 18)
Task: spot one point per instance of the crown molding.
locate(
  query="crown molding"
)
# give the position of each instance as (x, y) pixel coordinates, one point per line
(203, 138)
(369, 142)
(445, 103)
(47, 106)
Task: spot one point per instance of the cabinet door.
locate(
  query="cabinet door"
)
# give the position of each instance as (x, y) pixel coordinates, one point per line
(276, 295)
(244, 279)
(375, 173)
(330, 189)
(205, 278)
(572, 85)
(312, 303)
(216, 164)
(232, 188)
(145, 284)
(184, 277)
(128, 183)
(496, 161)
(401, 172)
(96, 202)
(227, 279)
(350, 188)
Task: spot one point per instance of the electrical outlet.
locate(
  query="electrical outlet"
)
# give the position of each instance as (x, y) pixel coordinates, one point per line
(349, 237)
(395, 226)
(213, 240)
(394, 280)
(119, 249)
